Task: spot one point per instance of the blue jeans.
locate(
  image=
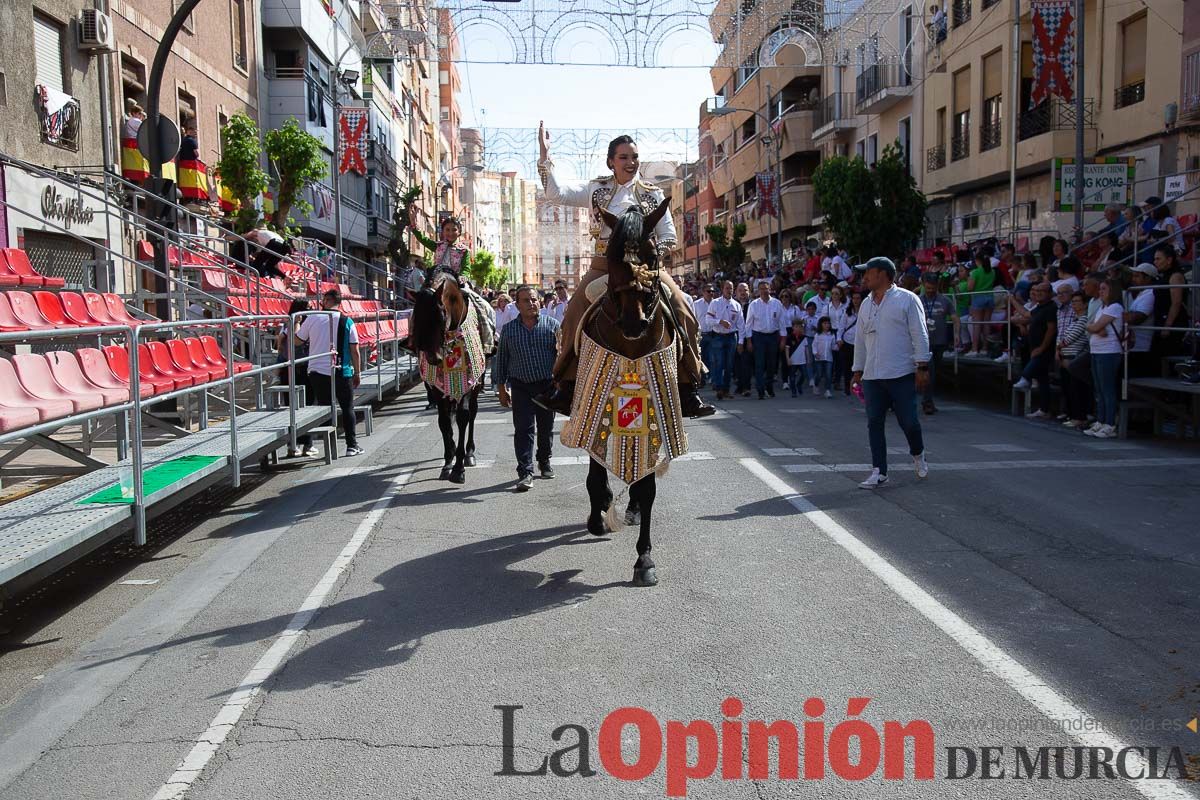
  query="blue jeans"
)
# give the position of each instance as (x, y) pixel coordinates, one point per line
(1106, 368)
(720, 354)
(797, 376)
(1038, 369)
(526, 414)
(706, 354)
(823, 375)
(766, 354)
(900, 395)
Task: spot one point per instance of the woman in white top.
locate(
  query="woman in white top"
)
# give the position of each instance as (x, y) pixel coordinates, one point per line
(1106, 330)
(1167, 229)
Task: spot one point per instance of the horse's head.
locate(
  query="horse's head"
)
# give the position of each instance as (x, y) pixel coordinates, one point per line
(633, 282)
(438, 307)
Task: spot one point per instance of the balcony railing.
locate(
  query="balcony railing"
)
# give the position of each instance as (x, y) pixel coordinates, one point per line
(286, 73)
(960, 12)
(59, 120)
(935, 158)
(989, 135)
(833, 108)
(1053, 115)
(1130, 94)
(960, 146)
(986, 4)
(878, 77)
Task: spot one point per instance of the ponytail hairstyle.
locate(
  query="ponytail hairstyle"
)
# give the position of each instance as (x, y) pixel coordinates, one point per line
(614, 144)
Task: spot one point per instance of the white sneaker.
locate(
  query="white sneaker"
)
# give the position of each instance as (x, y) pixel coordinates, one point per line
(310, 451)
(1091, 431)
(1106, 432)
(1002, 359)
(828, 394)
(1039, 414)
(922, 466)
(1021, 384)
(875, 479)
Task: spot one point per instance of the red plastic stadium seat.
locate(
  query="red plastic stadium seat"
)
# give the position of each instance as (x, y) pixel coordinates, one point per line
(182, 357)
(118, 311)
(7, 277)
(144, 250)
(158, 355)
(25, 309)
(212, 351)
(118, 361)
(18, 262)
(9, 322)
(51, 308)
(14, 396)
(97, 309)
(34, 374)
(65, 369)
(212, 280)
(76, 309)
(12, 419)
(97, 370)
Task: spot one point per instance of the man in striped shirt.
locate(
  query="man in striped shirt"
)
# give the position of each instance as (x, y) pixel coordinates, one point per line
(525, 363)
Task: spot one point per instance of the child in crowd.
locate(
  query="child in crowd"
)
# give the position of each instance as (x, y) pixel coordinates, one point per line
(823, 346)
(810, 320)
(797, 357)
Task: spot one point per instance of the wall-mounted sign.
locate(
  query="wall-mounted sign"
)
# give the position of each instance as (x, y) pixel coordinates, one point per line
(1105, 181)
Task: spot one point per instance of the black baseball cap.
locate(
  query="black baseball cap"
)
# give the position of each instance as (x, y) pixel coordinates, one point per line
(882, 263)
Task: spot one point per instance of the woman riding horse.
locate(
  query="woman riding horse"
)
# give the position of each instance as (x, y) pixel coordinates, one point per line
(626, 412)
(610, 197)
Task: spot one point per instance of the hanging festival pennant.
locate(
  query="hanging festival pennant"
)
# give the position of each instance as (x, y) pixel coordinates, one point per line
(767, 204)
(689, 228)
(352, 144)
(1053, 51)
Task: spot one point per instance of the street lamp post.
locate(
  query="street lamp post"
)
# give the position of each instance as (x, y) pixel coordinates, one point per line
(770, 141)
(442, 180)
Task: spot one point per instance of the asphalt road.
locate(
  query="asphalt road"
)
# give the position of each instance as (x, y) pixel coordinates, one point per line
(349, 632)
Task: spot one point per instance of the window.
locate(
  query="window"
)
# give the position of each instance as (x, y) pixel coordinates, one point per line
(872, 149)
(1132, 87)
(240, 51)
(860, 149)
(904, 136)
(960, 134)
(188, 26)
(133, 76)
(906, 40)
(993, 99)
(187, 109)
(445, 116)
(222, 121)
(443, 77)
(48, 52)
(747, 192)
(1190, 92)
(318, 87)
(748, 130)
(747, 69)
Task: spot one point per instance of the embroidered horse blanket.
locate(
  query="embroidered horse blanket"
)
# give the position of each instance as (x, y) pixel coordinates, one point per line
(462, 362)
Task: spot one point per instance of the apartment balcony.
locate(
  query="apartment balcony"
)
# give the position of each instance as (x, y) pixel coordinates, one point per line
(990, 135)
(380, 163)
(935, 158)
(960, 13)
(796, 135)
(1054, 116)
(835, 115)
(379, 231)
(799, 210)
(1129, 94)
(880, 87)
(960, 145)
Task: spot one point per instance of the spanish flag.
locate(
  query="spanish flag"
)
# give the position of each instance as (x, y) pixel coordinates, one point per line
(268, 205)
(134, 166)
(193, 181)
(229, 204)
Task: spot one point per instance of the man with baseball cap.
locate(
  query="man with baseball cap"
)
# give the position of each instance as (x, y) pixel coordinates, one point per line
(891, 363)
(1139, 315)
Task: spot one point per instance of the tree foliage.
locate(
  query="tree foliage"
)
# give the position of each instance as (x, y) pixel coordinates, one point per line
(239, 168)
(299, 162)
(482, 267)
(872, 210)
(727, 249)
(402, 214)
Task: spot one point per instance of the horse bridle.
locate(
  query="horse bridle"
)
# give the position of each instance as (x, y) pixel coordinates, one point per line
(645, 279)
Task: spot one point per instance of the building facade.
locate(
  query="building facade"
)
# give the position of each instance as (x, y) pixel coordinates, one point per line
(564, 244)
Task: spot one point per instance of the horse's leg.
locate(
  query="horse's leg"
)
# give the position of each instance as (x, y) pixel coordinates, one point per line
(632, 510)
(462, 417)
(474, 410)
(445, 424)
(600, 495)
(644, 573)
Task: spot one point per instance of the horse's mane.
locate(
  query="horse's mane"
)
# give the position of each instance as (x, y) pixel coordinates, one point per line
(438, 276)
(628, 228)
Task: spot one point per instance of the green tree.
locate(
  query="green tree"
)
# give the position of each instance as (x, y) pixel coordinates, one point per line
(481, 266)
(402, 212)
(872, 210)
(497, 277)
(727, 249)
(299, 162)
(241, 152)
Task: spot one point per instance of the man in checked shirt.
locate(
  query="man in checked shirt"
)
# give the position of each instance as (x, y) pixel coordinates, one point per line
(525, 362)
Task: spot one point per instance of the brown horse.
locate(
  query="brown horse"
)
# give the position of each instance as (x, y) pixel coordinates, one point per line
(631, 320)
(440, 311)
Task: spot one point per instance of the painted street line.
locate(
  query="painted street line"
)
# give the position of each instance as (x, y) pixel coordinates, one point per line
(483, 463)
(139, 582)
(775, 452)
(1001, 448)
(1035, 689)
(797, 411)
(231, 712)
(1112, 446)
(967, 466)
(403, 425)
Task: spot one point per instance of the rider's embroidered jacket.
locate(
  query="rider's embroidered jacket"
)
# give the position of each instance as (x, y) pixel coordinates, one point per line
(606, 193)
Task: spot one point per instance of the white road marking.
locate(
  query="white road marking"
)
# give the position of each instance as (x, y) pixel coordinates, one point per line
(791, 451)
(797, 411)
(210, 741)
(1112, 446)
(139, 582)
(1030, 686)
(967, 466)
(899, 450)
(399, 426)
(484, 463)
(342, 472)
(698, 455)
(501, 421)
(1001, 448)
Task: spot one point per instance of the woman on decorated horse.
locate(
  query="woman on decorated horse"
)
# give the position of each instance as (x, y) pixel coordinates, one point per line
(615, 194)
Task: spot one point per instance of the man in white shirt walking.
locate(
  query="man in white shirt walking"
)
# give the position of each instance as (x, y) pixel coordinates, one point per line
(700, 306)
(764, 333)
(891, 363)
(323, 338)
(723, 320)
(558, 306)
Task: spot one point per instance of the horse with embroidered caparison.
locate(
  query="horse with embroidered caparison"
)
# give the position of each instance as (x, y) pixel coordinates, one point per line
(626, 410)
(449, 333)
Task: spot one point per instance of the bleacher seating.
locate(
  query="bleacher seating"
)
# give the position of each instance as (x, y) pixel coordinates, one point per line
(15, 262)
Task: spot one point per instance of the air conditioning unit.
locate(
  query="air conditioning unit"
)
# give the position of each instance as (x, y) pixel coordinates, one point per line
(96, 32)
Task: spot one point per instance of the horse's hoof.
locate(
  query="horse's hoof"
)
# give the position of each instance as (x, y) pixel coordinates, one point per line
(632, 517)
(445, 474)
(595, 526)
(645, 577)
(470, 461)
(458, 476)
